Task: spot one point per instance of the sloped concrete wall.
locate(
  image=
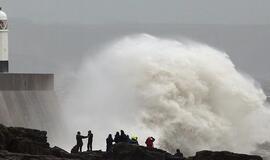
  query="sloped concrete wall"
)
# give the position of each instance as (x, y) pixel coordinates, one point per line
(29, 100)
(24, 81)
(35, 109)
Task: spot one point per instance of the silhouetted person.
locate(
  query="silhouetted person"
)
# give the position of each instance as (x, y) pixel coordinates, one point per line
(150, 142)
(178, 155)
(134, 140)
(123, 136)
(90, 141)
(109, 142)
(128, 139)
(79, 138)
(117, 137)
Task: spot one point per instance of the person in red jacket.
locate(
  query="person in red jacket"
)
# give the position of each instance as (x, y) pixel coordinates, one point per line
(150, 142)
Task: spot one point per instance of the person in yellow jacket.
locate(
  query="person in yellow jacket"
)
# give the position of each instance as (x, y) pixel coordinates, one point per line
(134, 140)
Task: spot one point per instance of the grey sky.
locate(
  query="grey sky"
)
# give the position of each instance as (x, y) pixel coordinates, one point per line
(56, 35)
(140, 11)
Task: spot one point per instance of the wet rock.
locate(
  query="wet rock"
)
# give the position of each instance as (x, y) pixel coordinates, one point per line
(59, 152)
(124, 151)
(5, 155)
(74, 149)
(223, 155)
(29, 144)
(93, 155)
(22, 140)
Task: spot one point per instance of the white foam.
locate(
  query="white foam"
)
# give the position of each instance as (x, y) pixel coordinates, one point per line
(188, 95)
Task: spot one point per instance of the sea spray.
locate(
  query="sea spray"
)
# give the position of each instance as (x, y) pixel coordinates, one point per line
(188, 95)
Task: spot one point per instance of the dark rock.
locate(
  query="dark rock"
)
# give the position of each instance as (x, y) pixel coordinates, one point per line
(88, 155)
(22, 140)
(59, 152)
(124, 151)
(5, 155)
(92, 155)
(5, 136)
(29, 144)
(74, 149)
(223, 155)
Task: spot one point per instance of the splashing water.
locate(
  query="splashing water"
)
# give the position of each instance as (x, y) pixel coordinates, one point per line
(188, 95)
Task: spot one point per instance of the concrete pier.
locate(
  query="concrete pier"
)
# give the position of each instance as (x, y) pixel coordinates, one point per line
(29, 100)
(26, 81)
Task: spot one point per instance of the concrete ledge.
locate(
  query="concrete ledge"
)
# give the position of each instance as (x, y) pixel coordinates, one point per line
(26, 81)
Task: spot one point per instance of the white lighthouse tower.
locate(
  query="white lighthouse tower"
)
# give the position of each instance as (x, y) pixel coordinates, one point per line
(3, 41)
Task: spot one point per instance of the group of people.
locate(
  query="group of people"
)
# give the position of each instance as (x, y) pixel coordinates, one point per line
(121, 137)
(118, 137)
(79, 139)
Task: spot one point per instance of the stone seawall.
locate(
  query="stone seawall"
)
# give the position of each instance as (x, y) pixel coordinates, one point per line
(29, 100)
(25, 81)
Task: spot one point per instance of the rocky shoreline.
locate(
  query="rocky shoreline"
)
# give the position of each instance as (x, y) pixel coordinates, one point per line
(29, 144)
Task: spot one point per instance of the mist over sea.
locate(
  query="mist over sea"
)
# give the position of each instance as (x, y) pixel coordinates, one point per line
(187, 94)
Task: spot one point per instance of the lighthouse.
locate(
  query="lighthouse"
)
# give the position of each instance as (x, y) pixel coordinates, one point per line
(26, 99)
(3, 41)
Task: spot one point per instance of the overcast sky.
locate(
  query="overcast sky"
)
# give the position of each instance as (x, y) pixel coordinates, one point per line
(140, 11)
(38, 20)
